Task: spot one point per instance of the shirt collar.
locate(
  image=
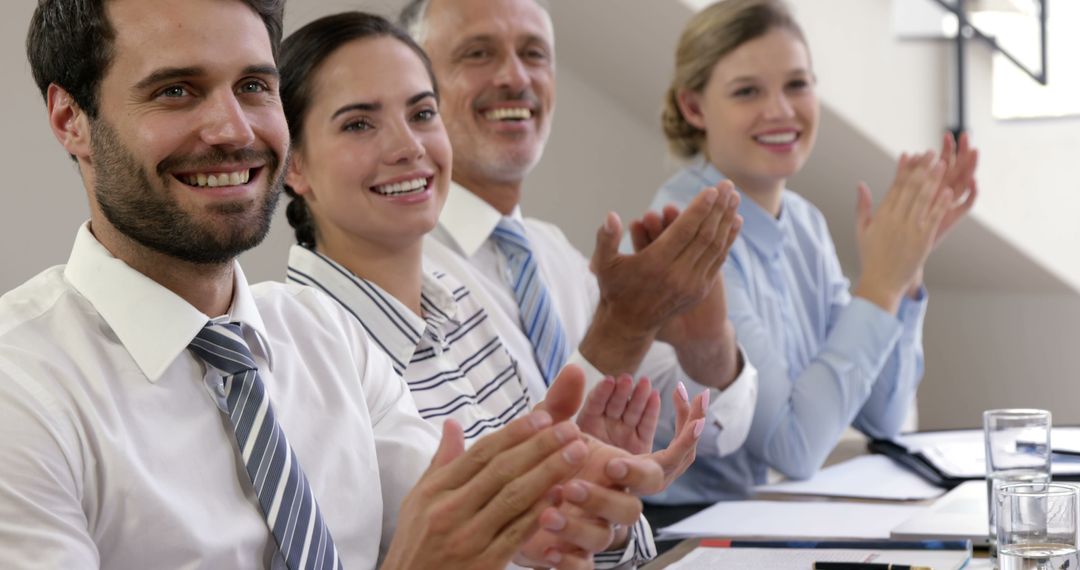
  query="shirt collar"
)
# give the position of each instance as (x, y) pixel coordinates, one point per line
(764, 232)
(760, 229)
(392, 325)
(468, 220)
(154, 324)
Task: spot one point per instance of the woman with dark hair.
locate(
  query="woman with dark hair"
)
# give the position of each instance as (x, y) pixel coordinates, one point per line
(742, 107)
(368, 175)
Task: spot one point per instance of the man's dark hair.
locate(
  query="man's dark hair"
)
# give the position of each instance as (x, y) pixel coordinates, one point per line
(70, 43)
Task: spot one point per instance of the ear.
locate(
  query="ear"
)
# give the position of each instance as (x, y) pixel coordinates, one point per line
(295, 177)
(690, 106)
(69, 122)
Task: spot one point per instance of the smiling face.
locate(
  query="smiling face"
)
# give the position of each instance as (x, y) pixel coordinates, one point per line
(186, 155)
(495, 61)
(373, 163)
(759, 111)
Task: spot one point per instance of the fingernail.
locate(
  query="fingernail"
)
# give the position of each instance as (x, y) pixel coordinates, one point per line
(705, 403)
(733, 199)
(711, 195)
(575, 492)
(608, 226)
(553, 556)
(617, 469)
(554, 521)
(681, 389)
(539, 420)
(575, 453)
(566, 432)
(699, 426)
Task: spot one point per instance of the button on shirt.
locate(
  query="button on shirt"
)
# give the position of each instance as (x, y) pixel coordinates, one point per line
(462, 244)
(116, 454)
(452, 357)
(825, 359)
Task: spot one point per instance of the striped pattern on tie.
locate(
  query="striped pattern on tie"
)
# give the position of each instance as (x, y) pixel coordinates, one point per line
(538, 317)
(280, 484)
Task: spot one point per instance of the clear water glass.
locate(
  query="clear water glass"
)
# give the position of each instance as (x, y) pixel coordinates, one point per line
(1017, 451)
(1037, 526)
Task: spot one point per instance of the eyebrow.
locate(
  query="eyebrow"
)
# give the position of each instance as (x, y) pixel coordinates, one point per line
(378, 106)
(752, 78)
(166, 74)
(529, 38)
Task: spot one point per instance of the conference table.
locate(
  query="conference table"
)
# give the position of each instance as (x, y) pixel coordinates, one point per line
(845, 450)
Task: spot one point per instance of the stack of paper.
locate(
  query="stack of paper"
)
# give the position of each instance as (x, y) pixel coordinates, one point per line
(793, 519)
(865, 477)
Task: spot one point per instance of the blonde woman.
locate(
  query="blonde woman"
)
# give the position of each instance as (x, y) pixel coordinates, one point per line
(743, 107)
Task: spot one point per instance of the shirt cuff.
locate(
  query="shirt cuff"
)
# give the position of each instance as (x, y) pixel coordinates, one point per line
(912, 310)
(731, 410)
(640, 548)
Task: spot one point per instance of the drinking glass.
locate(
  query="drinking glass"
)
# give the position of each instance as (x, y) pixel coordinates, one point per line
(1017, 451)
(1036, 526)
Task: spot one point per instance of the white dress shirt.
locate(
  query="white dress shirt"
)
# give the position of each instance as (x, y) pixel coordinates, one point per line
(462, 244)
(115, 453)
(452, 358)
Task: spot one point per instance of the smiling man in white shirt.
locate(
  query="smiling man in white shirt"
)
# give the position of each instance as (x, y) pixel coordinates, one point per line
(659, 313)
(155, 411)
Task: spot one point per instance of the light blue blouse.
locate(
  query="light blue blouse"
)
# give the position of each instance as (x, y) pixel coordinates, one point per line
(825, 360)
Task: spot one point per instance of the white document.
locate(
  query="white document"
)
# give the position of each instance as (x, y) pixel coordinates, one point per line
(793, 519)
(804, 558)
(962, 453)
(866, 476)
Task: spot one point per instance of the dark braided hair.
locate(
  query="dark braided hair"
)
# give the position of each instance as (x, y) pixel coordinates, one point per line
(301, 55)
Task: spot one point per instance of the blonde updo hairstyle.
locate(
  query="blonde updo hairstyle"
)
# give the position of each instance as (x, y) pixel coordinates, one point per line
(710, 35)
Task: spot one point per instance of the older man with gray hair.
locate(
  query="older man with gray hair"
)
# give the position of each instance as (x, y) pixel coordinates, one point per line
(659, 312)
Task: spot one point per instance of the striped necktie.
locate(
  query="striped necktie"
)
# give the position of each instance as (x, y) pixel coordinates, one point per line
(283, 491)
(538, 317)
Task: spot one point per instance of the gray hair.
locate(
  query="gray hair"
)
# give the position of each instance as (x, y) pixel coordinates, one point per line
(413, 18)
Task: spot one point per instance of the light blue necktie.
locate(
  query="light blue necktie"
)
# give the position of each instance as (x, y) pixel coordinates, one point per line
(538, 317)
(283, 491)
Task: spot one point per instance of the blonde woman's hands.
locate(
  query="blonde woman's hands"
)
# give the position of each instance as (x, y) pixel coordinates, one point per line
(895, 240)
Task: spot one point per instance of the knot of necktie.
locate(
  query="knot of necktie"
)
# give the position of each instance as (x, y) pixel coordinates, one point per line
(222, 346)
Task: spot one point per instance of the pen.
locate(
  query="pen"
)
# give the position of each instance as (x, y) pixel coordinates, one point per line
(865, 566)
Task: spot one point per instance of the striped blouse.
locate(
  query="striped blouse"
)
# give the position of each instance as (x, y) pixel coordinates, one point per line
(452, 358)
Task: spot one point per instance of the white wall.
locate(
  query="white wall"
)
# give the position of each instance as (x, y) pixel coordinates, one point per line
(1001, 324)
(43, 196)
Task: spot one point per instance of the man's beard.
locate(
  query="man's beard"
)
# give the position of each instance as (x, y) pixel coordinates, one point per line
(144, 210)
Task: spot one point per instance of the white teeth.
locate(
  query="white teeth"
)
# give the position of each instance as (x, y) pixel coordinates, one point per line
(517, 114)
(779, 138)
(203, 180)
(398, 188)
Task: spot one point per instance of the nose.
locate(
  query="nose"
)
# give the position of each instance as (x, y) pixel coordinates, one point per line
(226, 122)
(402, 146)
(512, 73)
(779, 107)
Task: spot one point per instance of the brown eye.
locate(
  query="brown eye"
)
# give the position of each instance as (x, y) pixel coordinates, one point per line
(358, 125)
